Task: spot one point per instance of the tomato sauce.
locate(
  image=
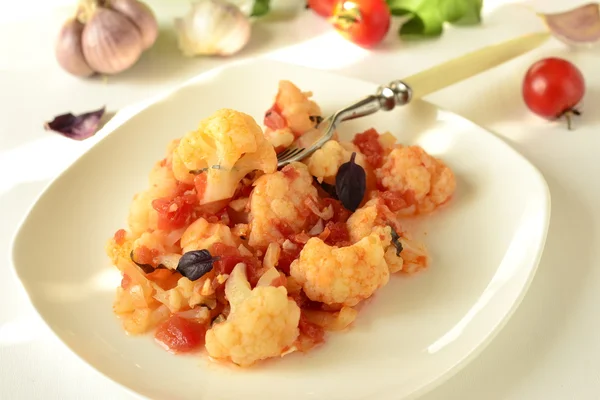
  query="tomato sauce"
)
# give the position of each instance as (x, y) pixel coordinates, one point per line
(229, 257)
(180, 335)
(368, 144)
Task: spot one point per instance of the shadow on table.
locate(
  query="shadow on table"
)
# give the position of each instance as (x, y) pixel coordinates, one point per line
(545, 310)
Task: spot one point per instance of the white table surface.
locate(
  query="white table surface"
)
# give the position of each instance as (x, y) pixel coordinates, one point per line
(550, 348)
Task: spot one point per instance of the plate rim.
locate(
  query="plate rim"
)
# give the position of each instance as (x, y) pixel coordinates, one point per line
(128, 112)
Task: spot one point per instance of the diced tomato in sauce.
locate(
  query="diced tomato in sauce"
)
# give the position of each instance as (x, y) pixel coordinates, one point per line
(273, 118)
(120, 237)
(180, 335)
(340, 213)
(312, 331)
(176, 212)
(286, 258)
(200, 182)
(145, 255)
(126, 281)
(229, 257)
(284, 228)
(304, 302)
(368, 144)
(339, 235)
(398, 200)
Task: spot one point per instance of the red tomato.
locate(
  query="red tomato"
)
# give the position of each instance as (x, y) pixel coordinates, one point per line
(322, 7)
(174, 213)
(368, 144)
(120, 236)
(364, 22)
(180, 334)
(552, 87)
(273, 118)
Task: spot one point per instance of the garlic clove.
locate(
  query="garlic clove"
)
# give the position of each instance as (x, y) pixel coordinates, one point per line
(142, 17)
(212, 27)
(68, 49)
(111, 42)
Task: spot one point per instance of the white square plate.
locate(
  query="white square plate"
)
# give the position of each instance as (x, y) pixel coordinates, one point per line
(485, 246)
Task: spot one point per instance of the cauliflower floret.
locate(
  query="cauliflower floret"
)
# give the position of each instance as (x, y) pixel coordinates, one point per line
(291, 116)
(422, 179)
(141, 214)
(376, 217)
(202, 235)
(263, 322)
(225, 147)
(281, 202)
(343, 275)
(325, 162)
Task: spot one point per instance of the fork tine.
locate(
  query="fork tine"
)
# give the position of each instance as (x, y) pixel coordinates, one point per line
(283, 154)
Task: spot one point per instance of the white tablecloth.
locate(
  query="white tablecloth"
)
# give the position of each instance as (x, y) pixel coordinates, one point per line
(550, 349)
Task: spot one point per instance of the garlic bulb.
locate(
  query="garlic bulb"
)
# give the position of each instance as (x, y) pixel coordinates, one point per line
(107, 36)
(212, 27)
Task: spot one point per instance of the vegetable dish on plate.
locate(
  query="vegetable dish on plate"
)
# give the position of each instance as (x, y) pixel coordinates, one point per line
(225, 253)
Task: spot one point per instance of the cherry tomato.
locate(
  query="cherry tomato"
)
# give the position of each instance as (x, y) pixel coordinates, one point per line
(364, 22)
(552, 88)
(322, 7)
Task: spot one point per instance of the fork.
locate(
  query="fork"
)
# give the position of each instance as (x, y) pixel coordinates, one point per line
(402, 92)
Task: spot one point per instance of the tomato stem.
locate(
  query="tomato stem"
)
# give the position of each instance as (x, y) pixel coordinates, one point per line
(568, 116)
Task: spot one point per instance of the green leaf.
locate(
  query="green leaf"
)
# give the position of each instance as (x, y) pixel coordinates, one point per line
(260, 8)
(427, 17)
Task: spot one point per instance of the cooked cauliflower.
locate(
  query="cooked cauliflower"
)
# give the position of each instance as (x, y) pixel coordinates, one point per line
(263, 322)
(226, 146)
(202, 235)
(425, 180)
(343, 275)
(325, 162)
(292, 115)
(375, 217)
(281, 202)
(142, 216)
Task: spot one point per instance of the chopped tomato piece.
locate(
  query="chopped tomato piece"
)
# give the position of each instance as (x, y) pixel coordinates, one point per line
(125, 281)
(312, 331)
(180, 334)
(176, 212)
(368, 144)
(274, 119)
(229, 257)
(398, 200)
(145, 255)
(338, 234)
(120, 236)
(200, 182)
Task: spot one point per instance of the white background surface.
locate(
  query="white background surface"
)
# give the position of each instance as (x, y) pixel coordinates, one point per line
(550, 349)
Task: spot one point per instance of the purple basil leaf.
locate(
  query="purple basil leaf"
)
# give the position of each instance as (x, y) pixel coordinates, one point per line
(351, 184)
(195, 264)
(77, 127)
